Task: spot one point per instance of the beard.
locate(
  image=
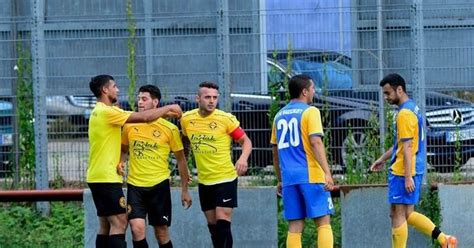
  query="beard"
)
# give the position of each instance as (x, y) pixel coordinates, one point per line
(113, 100)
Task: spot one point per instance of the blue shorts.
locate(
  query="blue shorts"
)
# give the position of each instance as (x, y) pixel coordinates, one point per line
(397, 193)
(308, 200)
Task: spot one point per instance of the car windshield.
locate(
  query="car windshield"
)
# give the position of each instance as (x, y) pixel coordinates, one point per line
(335, 74)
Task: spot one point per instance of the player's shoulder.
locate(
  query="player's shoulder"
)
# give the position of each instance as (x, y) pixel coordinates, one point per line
(226, 117)
(165, 123)
(189, 114)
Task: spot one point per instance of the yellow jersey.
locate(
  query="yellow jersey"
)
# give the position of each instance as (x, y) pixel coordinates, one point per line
(105, 126)
(211, 144)
(149, 147)
(407, 128)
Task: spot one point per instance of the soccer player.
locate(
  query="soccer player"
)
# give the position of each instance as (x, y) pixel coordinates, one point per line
(210, 132)
(300, 163)
(148, 184)
(407, 159)
(105, 126)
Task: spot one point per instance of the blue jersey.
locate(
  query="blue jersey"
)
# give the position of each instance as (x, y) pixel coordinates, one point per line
(409, 126)
(292, 128)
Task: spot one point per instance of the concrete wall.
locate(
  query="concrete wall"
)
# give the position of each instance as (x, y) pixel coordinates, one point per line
(457, 211)
(366, 221)
(254, 222)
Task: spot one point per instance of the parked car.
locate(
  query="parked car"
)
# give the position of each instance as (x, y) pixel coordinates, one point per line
(450, 120)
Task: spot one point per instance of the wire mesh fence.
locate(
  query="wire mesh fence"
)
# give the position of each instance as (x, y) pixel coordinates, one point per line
(245, 46)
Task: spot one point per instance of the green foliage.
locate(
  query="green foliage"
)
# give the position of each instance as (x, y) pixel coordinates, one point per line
(131, 46)
(22, 226)
(24, 109)
(457, 156)
(279, 87)
(325, 113)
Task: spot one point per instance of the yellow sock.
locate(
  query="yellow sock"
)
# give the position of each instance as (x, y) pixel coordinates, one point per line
(424, 225)
(293, 240)
(421, 223)
(325, 238)
(442, 238)
(400, 236)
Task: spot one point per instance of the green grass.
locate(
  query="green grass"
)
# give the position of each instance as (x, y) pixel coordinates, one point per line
(22, 226)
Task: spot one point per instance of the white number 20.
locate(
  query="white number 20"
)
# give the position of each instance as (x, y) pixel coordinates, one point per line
(290, 127)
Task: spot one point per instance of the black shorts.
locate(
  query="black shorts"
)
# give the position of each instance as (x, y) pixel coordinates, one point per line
(218, 195)
(154, 201)
(108, 198)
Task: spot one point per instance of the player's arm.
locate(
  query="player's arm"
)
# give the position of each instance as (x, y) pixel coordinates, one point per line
(317, 147)
(123, 159)
(186, 200)
(276, 167)
(186, 145)
(239, 136)
(407, 164)
(380, 162)
(173, 110)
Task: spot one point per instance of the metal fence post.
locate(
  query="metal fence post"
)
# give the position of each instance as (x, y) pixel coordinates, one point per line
(262, 13)
(223, 54)
(419, 60)
(39, 89)
(380, 47)
(148, 8)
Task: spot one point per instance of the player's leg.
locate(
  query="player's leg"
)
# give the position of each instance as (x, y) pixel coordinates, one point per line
(319, 207)
(102, 239)
(423, 224)
(399, 199)
(162, 236)
(293, 211)
(293, 238)
(159, 212)
(226, 201)
(399, 225)
(111, 210)
(137, 212)
(208, 207)
(118, 225)
(325, 235)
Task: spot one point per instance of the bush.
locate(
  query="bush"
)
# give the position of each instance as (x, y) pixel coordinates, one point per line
(23, 226)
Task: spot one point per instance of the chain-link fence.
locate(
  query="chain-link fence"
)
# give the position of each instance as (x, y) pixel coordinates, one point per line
(50, 50)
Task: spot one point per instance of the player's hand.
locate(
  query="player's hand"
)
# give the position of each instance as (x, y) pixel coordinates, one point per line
(190, 178)
(377, 165)
(186, 200)
(279, 189)
(329, 183)
(121, 168)
(174, 111)
(409, 184)
(241, 167)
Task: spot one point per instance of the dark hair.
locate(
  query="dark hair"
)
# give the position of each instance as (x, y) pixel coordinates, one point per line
(207, 84)
(152, 89)
(394, 80)
(297, 84)
(98, 82)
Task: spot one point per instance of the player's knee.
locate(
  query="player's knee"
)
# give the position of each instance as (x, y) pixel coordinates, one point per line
(162, 234)
(138, 230)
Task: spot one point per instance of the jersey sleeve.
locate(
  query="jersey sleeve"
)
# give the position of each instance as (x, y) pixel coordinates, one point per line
(273, 137)
(406, 125)
(232, 123)
(175, 144)
(117, 116)
(312, 117)
(126, 128)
